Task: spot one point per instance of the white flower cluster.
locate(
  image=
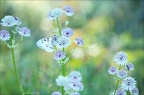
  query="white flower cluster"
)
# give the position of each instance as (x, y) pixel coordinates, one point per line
(120, 58)
(58, 43)
(61, 38)
(57, 12)
(11, 21)
(128, 83)
(72, 83)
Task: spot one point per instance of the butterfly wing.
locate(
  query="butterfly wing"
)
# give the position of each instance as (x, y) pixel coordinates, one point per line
(45, 44)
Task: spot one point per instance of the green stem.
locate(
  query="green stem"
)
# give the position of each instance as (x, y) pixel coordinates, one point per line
(58, 26)
(63, 65)
(128, 93)
(63, 90)
(117, 82)
(72, 52)
(116, 87)
(15, 69)
(63, 70)
(63, 74)
(14, 63)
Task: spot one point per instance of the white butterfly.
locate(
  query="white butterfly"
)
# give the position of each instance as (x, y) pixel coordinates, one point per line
(46, 44)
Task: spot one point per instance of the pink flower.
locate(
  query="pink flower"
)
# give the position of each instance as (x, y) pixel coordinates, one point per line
(24, 31)
(69, 11)
(79, 41)
(4, 35)
(59, 55)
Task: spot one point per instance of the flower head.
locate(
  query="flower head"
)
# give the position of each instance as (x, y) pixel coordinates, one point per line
(134, 91)
(112, 70)
(120, 58)
(75, 75)
(59, 55)
(76, 85)
(51, 17)
(56, 93)
(79, 41)
(120, 92)
(68, 32)
(54, 13)
(69, 11)
(128, 83)
(4, 35)
(63, 42)
(10, 21)
(62, 81)
(129, 66)
(121, 73)
(24, 31)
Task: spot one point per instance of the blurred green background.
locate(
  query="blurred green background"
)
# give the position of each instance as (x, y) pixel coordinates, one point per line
(107, 26)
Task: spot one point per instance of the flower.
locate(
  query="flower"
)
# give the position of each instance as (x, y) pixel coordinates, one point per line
(121, 73)
(72, 84)
(75, 93)
(4, 35)
(76, 85)
(10, 21)
(128, 83)
(120, 58)
(24, 31)
(75, 75)
(67, 32)
(134, 91)
(112, 70)
(54, 13)
(59, 55)
(69, 11)
(79, 41)
(63, 42)
(129, 66)
(51, 17)
(62, 81)
(56, 93)
(120, 92)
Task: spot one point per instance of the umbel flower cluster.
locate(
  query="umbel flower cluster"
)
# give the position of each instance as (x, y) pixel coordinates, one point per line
(10, 38)
(57, 43)
(72, 83)
(61, 38)
(128, 84)
(13, 28)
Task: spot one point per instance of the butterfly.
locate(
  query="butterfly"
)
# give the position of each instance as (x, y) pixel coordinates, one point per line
(46, 44)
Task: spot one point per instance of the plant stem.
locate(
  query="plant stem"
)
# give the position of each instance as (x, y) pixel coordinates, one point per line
(63, 90)
(128, 93)
(63, 65)
(15, 69)
(117, 82)
(63, 70)
(63, 74)
(13, 58)
(116, 87)
(58, 26)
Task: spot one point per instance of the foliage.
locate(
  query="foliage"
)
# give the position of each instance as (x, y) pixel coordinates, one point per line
(107, 27)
